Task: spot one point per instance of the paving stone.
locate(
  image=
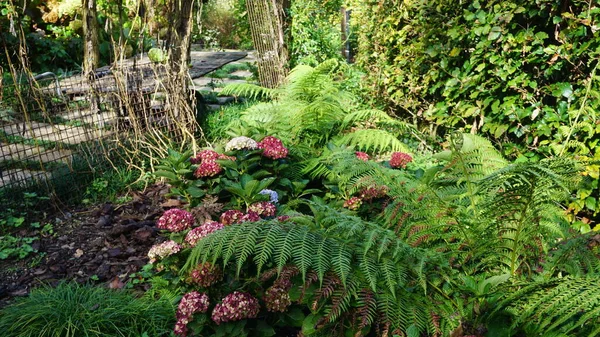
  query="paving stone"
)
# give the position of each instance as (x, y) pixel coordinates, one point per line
(54, 133)
(214, 107)
(88, 117)
(242, 73)
(24, 152)
(20, 177)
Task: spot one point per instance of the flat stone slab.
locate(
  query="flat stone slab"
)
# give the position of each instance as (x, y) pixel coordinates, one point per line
(88, 117)
(242, 73)
(20, 177)
(24, 152)
(54, 133)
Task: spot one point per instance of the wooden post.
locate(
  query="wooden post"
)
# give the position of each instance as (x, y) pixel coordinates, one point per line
(344, 36)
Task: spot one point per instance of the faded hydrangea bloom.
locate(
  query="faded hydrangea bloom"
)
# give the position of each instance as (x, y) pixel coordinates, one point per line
(208, 168)
(251, 216)
(190, 304)
(205, 275)
(273, 196)
(231, 216)
(400, 159)
(353, 203)
(201, 231)
(273, 148)
(263, 208)
(374, 192)
(277, 299)
(205, 155)
(175, 220)
(162, 250)
(241, 143)
(235, 307)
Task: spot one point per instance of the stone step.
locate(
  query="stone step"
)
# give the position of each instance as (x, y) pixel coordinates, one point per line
(242, 73)
(22, 152)
(55, 133)
(20, 177)
(88, 117)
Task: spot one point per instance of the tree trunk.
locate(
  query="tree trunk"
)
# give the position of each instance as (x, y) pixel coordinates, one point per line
(180, 37)
(91, 53)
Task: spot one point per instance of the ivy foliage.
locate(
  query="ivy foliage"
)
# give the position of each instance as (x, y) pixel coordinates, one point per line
(523, 73)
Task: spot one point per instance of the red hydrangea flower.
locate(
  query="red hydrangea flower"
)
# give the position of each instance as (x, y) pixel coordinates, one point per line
(231, 216)
(201, 231)
(205, 275)
(175, 220)
(272, 148)
(353, 203)
(205, 155)
(263, 208)
(362, 156)
(251, 216)
(283, 218)
(191, 303)
(208, 168)
(235, 307)
(400, 159)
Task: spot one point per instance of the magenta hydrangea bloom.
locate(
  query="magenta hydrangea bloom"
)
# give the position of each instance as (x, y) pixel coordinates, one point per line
(283, 218)
(231, 216)
(175, 220)
(190, 304)
(208, 168)
(162, 250)
(400, 159)
(362, 156)
(263, 208)
(235, 307)
(272, 148)
(353, 203)
(205, 155)
(205, 275)
(251, 216)
(201, 231)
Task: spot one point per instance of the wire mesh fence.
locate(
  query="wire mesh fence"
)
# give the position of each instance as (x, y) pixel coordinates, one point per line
(50, 127)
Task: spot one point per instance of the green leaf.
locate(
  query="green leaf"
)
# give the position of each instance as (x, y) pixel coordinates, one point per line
(263, 329)
(308, 326)
(590, 203)
(169, 175)
(495, 33)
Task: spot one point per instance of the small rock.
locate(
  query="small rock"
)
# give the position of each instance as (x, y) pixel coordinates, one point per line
(114, 252)
(104, 221)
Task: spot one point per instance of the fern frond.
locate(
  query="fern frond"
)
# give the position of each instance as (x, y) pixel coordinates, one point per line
(372, 140)
(248, 90)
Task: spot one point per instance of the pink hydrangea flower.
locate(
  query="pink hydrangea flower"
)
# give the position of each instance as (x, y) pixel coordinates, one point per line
(208, 168)
(231, 216)
(362, 156)
(226, 157)
(190, 304)
(283, 218)
(353, 203)
(251, 216)
(162, 250)
(201, 231)
(400, 159)
(205, 155)
(263, 208)
(175, 220)
(235, 307)
(272, 148)
(205, 275)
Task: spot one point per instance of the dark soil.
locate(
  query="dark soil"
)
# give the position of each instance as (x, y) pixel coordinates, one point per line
(102, 244)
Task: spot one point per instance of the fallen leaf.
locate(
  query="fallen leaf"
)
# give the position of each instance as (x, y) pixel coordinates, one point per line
(171, 203)
(116, 283)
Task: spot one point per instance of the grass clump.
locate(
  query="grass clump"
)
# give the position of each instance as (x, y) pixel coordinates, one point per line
(85, 311)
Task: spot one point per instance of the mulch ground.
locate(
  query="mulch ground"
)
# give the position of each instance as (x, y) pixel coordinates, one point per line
(102, 244)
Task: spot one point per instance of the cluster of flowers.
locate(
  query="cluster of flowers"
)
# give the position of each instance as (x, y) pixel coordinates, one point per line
(234, 216)
(175, 220)
(273, 148)
(400, 159)
(353, 203)
(241, 143)
(190, 304)
(162, 250)
(277, 297)
(205, 275)
(273, 196)
(234, 307)
(208, 166)
(192, 237)
(263, 208)
(374, 192)
(362, 156)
